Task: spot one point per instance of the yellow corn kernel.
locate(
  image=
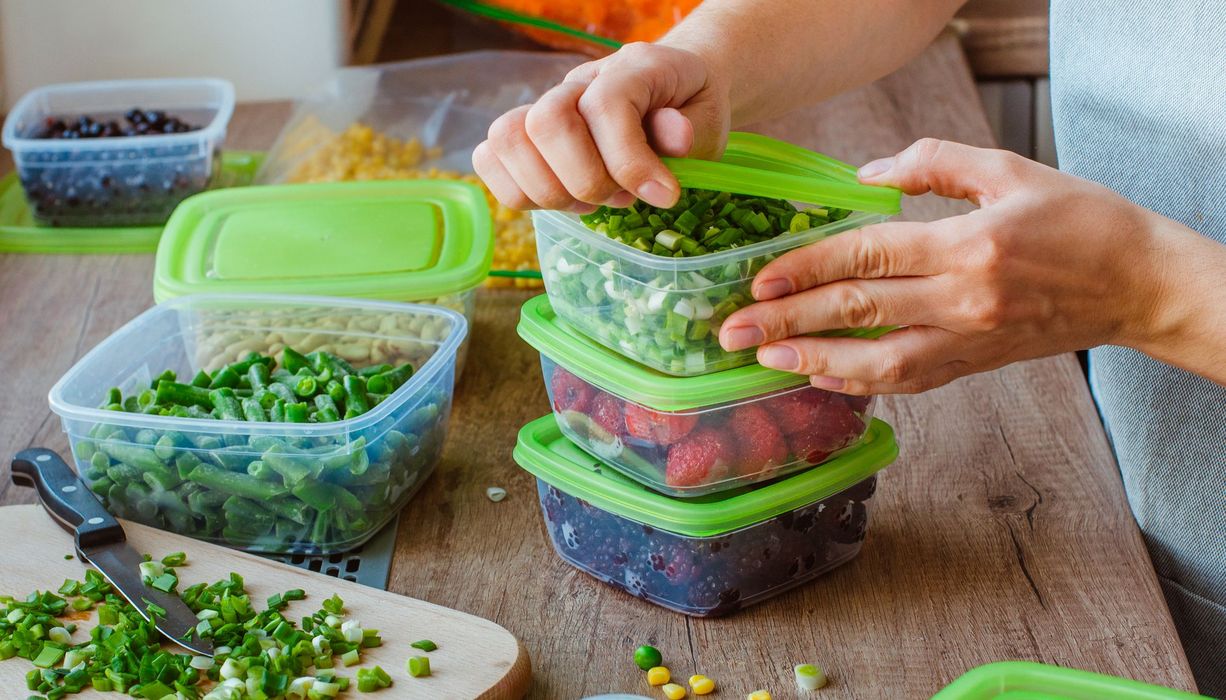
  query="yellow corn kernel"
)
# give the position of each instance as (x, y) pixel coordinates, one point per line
(702, 685)
(672, 691)
(759, 695)
(658, 675)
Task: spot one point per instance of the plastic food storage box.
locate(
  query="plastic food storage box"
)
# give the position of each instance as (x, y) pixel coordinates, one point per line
(318, 487)
(423, 241)
(666, 312)
(121, 180)
(705, 556)
(1026, 680)
(687, 436)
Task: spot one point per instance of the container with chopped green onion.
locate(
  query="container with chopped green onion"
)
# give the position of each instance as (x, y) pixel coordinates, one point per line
(655, 284)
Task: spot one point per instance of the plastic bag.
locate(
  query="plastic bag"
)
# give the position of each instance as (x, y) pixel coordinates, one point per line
(446, 103)
(593, 28)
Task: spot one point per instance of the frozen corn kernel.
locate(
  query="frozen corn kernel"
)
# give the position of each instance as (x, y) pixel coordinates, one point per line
(672, 691)
(658, 675)
(810, 677)
(759, 695)
(702, 685)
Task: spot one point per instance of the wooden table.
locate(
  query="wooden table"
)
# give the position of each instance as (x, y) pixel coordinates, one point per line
(1001, 533)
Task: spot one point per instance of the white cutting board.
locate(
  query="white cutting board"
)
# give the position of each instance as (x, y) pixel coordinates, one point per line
(475, 658)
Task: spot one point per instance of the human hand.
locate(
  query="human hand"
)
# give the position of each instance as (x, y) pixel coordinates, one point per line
(594, 139)
(1049, 263)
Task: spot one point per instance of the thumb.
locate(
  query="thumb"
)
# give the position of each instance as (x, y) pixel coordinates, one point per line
(946, 168)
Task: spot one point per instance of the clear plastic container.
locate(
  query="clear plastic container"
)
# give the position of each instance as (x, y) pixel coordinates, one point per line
(309, 488)
(121, 180)
(709, 556)
(688, 436)
(666, 312)
(663, 312)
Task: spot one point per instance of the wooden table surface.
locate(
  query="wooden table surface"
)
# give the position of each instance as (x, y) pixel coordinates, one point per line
(1001, 533)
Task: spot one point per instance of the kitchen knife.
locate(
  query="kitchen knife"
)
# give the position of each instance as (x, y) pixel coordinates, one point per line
(100, 540)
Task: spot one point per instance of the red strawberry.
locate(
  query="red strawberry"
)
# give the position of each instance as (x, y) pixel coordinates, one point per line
(656, 427)
(570, 393)
(607, 413)
(796, 410)
(701, 458)
(837, 428)
(760, 445)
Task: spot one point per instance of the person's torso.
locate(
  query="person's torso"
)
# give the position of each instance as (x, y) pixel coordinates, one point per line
(1139, 105)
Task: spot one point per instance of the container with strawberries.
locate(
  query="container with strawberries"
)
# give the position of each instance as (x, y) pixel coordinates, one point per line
(687, 436)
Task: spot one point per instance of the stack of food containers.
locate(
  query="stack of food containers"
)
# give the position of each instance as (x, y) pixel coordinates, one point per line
(676, 471)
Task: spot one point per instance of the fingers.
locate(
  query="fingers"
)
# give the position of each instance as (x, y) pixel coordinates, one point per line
(613, 107)
(669, 132)
(496, 177)
(907, 360)
(883, 250)
(912, 301)
(560, 135)
(509, 140)
(948, 169)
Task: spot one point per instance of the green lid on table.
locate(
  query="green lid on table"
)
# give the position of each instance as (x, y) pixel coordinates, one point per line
(401, 240)
(596, 364)
(1026, 680)
(544, 452)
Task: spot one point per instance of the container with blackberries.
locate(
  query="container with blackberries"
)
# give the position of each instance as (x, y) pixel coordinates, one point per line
(117, 153)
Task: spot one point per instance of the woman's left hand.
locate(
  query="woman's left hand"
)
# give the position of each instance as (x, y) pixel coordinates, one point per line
(1048, 263)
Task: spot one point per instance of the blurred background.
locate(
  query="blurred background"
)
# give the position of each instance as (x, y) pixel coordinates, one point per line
(279, 49)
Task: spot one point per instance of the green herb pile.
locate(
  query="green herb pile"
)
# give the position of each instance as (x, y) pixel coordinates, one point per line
(704, 222)
(258, 655)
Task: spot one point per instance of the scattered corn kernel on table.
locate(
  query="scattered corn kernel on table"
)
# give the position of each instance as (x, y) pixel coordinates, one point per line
(1001, 533)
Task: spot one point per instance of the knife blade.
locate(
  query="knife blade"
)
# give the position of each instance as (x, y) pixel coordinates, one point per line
(100, 540)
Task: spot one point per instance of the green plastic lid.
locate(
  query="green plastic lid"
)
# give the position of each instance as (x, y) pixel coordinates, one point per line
(609, 370)
(547, 455)
(759, 165)
(1026, 680)
(20, 234)
(400, 240)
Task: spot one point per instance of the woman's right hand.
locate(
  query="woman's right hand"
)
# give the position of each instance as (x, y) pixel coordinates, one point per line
(594, 139)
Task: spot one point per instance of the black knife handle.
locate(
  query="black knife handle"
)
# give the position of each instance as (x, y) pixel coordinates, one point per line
(66, 497)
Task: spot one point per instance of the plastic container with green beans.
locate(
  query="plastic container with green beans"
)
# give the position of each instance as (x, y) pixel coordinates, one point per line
(298, 453)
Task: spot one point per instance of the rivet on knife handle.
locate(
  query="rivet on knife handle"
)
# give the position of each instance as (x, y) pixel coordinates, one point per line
(66, 497)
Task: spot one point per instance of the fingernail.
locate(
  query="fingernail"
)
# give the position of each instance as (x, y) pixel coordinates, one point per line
(772, 289)
(779, 357)
(657, 194)
(877, 167)
(621, 200)
(741, 337)
(582, 208)
(827, 383)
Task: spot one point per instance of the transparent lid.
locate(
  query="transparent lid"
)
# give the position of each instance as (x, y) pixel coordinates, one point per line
(544, 452)
(404, 240)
